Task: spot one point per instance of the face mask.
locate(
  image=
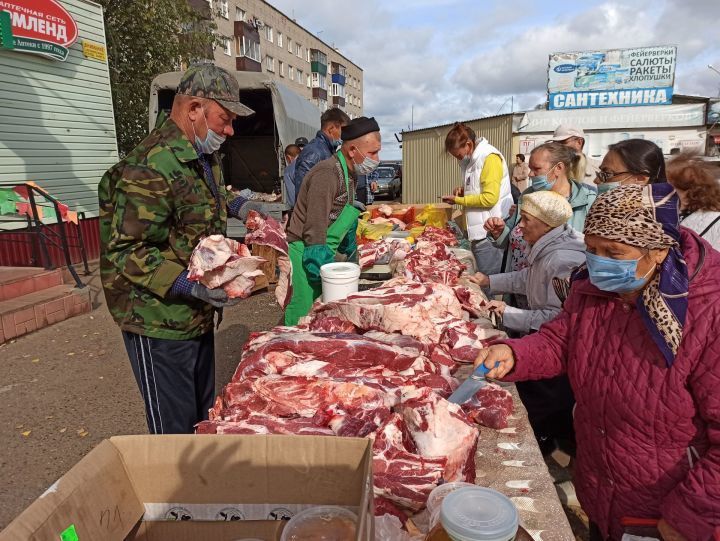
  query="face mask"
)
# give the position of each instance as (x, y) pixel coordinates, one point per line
(465, 162)
(367, 166)
(615, 275)
(212, 140)
(607, 186)
(338, 143)
(541, 182)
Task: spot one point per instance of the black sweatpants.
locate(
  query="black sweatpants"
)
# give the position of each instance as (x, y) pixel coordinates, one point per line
(176, 379)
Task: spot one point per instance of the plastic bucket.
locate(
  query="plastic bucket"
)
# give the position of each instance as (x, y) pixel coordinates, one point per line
(339, 280)
(438, 494)
(479, 514)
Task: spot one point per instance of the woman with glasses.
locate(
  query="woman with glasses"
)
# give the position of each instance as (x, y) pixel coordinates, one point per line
(633, 161)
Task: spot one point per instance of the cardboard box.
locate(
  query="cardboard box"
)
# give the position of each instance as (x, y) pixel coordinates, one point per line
(188, 487)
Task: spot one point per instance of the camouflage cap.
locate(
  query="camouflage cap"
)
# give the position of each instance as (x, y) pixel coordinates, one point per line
(210, 81)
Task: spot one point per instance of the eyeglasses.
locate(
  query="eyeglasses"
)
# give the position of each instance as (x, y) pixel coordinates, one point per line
(605, 176)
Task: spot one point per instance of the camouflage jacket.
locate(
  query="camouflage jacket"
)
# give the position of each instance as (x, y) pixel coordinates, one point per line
(155, 206)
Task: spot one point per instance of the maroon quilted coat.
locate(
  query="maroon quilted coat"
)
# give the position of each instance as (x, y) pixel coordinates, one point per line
(637, 421)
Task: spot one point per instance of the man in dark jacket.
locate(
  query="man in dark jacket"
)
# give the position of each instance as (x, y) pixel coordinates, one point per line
(322, 146)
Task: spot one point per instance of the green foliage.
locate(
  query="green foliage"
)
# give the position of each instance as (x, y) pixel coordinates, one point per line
(146, 38)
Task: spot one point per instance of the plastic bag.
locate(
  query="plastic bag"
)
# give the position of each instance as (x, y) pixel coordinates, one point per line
(373, 231)
(431, 215)
(389, 527)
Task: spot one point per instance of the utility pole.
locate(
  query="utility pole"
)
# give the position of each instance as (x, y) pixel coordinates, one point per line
(412, 117)
(710, 66)
(512, 104)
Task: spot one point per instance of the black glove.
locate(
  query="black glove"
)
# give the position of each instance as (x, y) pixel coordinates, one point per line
(358, 205)
(215, 297)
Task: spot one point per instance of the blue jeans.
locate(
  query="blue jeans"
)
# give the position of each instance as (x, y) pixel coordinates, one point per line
(488, 259)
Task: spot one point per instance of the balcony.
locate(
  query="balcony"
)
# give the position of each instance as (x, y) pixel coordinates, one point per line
(338, 78)
(318, 67)
(246, 29)
(244, 63)
(319, 93)
(339, 101)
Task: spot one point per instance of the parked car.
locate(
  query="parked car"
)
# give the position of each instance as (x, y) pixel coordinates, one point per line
(388, 183)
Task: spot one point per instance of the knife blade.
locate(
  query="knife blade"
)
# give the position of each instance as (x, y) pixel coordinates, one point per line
(471, 386)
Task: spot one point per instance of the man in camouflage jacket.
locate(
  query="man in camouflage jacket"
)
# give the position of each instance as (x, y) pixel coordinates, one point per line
(155, 206)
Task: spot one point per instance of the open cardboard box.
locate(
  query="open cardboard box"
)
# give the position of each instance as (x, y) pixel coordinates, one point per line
(418, 207)
(189, 487)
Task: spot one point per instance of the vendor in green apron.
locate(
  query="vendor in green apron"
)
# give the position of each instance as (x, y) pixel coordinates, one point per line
(325, 217)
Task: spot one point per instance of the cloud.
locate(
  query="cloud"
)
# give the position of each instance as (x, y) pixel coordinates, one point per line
(456, 59)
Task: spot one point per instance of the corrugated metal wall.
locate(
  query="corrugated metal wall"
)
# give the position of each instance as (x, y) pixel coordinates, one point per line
(429, 172)
(56, 119)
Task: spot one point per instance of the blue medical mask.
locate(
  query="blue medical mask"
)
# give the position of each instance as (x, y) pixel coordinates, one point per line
(615, 275)
(465, 162)
(607, 186)
(212, 141)
(367, 166)
(541, 182)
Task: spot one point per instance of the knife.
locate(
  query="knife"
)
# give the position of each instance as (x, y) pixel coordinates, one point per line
(472, 385)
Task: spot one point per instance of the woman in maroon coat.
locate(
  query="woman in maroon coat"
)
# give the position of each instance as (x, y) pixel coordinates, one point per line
(638, 338)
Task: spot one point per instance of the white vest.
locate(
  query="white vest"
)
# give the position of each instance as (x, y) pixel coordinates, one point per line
(477, 216)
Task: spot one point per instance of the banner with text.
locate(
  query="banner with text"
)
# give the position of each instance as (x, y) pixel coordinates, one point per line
(613, 78)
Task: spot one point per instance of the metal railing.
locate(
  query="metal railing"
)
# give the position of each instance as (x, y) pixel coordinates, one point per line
(40, 235)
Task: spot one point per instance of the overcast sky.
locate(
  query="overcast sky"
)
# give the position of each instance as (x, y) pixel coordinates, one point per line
(457, 60)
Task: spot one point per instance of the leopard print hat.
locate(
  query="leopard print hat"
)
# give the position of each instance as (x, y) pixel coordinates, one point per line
(628, 214)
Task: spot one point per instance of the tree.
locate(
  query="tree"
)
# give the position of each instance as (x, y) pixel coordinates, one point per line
(146, 38)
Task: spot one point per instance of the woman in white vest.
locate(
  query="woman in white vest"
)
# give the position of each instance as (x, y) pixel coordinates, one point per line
(485, 192)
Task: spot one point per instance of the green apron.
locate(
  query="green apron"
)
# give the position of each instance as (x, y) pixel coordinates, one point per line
(304, 291)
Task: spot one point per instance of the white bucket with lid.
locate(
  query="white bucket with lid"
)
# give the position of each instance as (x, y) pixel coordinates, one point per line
(339, 280)
(479, 514)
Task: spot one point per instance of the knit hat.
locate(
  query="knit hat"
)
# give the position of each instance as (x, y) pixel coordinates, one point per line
(358, 127)
(549, 207)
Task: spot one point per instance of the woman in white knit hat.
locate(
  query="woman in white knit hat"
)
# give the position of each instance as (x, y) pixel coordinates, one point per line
(555, 250)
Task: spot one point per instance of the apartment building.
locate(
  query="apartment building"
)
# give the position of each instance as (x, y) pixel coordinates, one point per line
(255, 36)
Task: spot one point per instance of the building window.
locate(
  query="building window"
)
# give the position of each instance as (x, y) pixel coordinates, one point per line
(289, 45)
(307, 54)
(224, 11)
(298, 50)
(270, 63)
(269, 33)
(319, 81)
(337, 90)
(239, 14)
(280, 39)
(322, 105)
(300, 77)
(309, 81)
(281, 68)
(248, 48)
(226, 46)
(291, 73)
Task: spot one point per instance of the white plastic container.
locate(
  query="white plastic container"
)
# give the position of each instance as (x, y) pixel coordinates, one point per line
(479, 514)
(438, 494)
(323, 523)
(339, 280)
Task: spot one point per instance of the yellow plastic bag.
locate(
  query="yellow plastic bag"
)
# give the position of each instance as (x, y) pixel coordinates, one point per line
(431, 215)
(373, 231)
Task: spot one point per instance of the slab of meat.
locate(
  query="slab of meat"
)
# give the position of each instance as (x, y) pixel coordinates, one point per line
(333, 325)
(441, 429)
(490, 407)
(473, 300)
(269, 232)
(383, 252)
(465, 339)
(401, 475)
(406, 308)
(430, 261)
(221, 262)
(264, 424)
(436, 234)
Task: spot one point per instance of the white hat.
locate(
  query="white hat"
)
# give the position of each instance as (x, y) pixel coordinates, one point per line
(563, 133)
(548, 207)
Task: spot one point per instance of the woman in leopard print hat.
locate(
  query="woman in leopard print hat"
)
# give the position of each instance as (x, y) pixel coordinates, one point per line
(637, 337)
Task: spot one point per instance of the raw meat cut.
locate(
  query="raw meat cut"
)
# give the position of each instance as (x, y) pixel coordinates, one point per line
(406, 308)
(465, 339)
(333, 325)
(383, 252)
(383, 506)
(441, 429)
(491, 407)
(385, 210)
(266, 231)
(436, 234)
(402, 476)
(264, 424)
(221, 262)
(430, 262)
(472, 298)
